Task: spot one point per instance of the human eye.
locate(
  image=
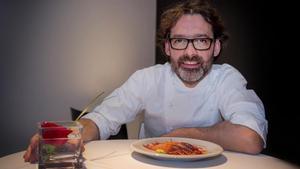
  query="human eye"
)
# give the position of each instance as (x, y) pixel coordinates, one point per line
(202, 41)
(178, 41)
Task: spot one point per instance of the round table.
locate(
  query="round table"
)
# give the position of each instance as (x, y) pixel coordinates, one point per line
(116, 154)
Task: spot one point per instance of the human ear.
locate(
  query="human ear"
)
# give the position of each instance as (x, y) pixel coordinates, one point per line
(167, 48)
(217, 47)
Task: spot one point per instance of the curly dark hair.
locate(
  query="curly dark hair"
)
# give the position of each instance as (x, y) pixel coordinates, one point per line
(205, 8)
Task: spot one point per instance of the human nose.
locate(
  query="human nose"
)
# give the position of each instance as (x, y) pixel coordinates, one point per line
(190, 49)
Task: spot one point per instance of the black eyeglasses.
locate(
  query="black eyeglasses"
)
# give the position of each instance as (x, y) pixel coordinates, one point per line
(198, 43)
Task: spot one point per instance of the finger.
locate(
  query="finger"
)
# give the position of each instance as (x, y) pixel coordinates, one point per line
(26, 156)
(34, 145)
(33, 158)
(30, 153)
(34, 140)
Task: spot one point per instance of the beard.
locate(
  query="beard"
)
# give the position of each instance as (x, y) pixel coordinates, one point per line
(190, 75)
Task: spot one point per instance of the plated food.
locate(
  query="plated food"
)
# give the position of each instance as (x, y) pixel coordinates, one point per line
(176, 148)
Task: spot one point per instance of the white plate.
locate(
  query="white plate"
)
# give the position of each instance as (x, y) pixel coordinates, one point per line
(212, 149)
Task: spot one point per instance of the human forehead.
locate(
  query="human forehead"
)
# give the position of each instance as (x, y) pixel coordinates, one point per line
(192, 25)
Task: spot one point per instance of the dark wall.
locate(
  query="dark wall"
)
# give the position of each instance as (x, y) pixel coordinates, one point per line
(260, 46)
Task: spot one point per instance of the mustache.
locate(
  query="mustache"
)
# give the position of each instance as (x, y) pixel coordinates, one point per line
(195, 58)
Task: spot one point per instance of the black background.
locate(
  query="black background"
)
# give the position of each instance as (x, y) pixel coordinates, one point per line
(264, 47)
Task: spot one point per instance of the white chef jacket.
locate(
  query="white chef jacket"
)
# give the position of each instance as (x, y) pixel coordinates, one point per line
(168, 104)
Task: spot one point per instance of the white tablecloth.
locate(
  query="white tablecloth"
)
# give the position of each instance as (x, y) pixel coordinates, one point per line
(116, 154)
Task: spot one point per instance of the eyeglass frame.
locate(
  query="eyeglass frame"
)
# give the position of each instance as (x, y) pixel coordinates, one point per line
(211, 40)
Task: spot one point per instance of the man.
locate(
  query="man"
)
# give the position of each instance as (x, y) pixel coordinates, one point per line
(189, 96)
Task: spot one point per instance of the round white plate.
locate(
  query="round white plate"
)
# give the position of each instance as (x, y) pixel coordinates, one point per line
(212, 149)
